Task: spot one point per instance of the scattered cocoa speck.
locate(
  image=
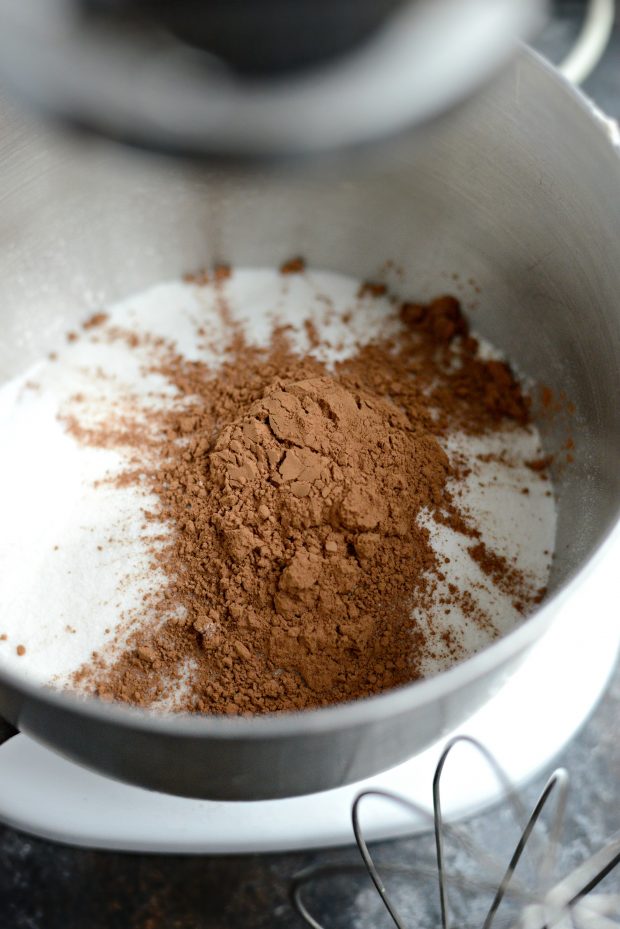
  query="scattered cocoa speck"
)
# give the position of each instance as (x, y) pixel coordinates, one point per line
(53, 356)
(442, 318)
(3, 637)
(97, 319)
(295, 265)
(506, 577)
(72, 337)
(200, 278)
(372, 289)
(221, 272)
(546, 396)
(21, 650)
(412, 314)
(500, 458)
(311, 332)
(554, 402)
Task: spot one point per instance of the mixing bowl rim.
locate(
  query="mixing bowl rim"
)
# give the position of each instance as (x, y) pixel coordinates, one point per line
(400, 700)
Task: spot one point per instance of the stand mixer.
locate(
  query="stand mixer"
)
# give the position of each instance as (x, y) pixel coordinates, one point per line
(272, 83)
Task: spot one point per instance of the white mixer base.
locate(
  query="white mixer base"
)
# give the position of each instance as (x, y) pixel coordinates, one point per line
(525, 725)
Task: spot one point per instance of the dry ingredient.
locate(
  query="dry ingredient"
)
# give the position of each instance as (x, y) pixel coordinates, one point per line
(292, 498)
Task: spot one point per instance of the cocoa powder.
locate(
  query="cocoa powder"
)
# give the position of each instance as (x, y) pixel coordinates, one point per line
(289, 497)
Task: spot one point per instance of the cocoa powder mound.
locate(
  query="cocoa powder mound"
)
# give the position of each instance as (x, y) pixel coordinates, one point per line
(289, 500)
(296, 546)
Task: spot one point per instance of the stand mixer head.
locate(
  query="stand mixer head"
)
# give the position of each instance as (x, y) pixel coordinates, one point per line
(254, 80)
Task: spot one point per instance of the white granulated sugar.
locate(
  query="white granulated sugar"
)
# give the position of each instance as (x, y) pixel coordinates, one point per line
(73, 558)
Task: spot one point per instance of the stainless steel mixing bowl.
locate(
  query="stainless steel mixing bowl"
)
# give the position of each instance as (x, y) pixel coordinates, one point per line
(520, 191)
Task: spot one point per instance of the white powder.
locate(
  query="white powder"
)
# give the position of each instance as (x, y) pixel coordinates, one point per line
(73, 558)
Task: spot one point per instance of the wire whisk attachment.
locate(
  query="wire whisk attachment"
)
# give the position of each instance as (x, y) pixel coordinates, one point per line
(563, 904)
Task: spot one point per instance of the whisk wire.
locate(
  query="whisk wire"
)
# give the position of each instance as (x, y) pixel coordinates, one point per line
(561, 907)
(558, 779)
(363, 847)
(438, 817)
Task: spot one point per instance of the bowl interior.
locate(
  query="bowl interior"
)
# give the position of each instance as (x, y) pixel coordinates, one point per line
(519, 193)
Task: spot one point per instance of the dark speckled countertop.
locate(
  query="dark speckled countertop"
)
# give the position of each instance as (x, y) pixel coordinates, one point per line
(48, 886)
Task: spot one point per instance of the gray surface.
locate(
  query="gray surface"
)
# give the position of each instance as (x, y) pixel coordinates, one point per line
(45, 886)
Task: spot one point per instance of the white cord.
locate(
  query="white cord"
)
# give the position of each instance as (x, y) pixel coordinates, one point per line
(592, 41)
